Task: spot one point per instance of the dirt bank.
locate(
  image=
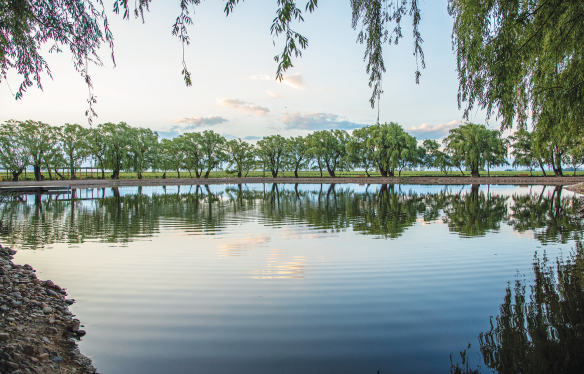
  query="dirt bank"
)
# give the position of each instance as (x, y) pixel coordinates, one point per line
(37, 330)
(98, 183)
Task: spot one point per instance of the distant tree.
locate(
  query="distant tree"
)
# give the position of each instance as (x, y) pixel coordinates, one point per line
(496, 152)
(242, 155)
(117, 139)
(36, 137)
(298, 153)
(471, 145)
(523, 150)
(390, 147)
(174, 154)
(191, 143)
(331, 148)
(213, 149)
(53, 158)
(98, 146)
(360, 155)
(575, 155)
(272, 151)
(14, 153)
(143, 149)
(75, 146)
(552, 146)
(435, 157)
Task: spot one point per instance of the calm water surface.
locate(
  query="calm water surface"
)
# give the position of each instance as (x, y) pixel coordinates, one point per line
(288, 279)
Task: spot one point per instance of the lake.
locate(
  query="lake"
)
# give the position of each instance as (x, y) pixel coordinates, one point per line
(309, 278)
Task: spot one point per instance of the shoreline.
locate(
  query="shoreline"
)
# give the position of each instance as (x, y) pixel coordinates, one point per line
(443, 180)
(37, 330)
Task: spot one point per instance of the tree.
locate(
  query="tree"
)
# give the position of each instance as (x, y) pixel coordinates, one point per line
(174, 154)
(523, 150)
(390, 146)
(297, 152)
(143, 149)
(242, 154)
(331, 148)
(74, 145)
(37, 138)
(98, 146)
(496, 152)
(14, 154)
(191, 144)
(436, 158)
(522, 60)
(469, 145)
(212, 146)
(272, 152)
(575, 156)
(117, 141)
(359, 155)
(53, 157)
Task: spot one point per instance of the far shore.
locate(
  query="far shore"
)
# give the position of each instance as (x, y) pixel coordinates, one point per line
(430, 180)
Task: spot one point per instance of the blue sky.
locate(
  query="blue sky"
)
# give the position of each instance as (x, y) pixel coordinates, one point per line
(234, 91)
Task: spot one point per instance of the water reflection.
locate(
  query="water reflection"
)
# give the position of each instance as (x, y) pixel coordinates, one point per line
(540, 330)
(383, 211)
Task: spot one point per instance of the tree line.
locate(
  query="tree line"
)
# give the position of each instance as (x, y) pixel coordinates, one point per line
(385, 148)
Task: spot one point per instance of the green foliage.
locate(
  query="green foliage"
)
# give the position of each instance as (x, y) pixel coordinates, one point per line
(272, 153)
(522, 60)
(144, 147)
(117, 151)
(435, 158)
(75, 146)
(330, 149)
(14, 153)
(297, 152)
(242, 156)
(213, 149)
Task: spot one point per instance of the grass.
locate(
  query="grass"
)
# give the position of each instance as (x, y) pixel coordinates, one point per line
(305, 174)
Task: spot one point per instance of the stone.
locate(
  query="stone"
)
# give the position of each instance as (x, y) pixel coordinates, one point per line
(4, 336)
(53, 330)
(50, 283)
(29, 350)
(51, 293)
(34, 360)
(52, 319)
(45, 339)
(11, 365)
(73, 326)
(69, 301)
(43, 356)
(4, 308)
(17, 358)
(57, 359)
(43, 305)
(15, 294)
(81, 333)
(47, 310)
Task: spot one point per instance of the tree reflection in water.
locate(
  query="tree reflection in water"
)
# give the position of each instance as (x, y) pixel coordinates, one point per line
(385, 212)
(541, 331)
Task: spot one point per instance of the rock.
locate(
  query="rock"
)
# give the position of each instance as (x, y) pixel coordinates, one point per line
(47, 310)
(73, 326)
(53, 330)
(15, 294)
(11, 365)
(17, 358)
(4, 309)
(81, 333)
(50, 283)
(45, 339)
(51, 293)
(4, 337)
(57, 359)
(43, 356)
(34, 360)
(29, 350)
(43, 305)
(69, 301)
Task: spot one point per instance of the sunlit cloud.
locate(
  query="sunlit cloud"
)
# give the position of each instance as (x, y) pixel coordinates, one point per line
(294, 81)
(273, 95)
(244, 107)
(428, 131)
(317, 121)
(189, 123)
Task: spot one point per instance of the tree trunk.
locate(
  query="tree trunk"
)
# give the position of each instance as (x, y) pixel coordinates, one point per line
(207, 174)
(37, 173)
(59, 174)
(475, 173)
(15, 175)
(178, 172)
(164, 175)
(542, 169)
(331, 172)
(274, 173)
(116, 174)
(382, 171)
(295, 173)
(239, 174)
(139, 175)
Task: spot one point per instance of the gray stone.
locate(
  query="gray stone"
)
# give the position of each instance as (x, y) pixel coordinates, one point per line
(47, 309)
(51, 293)
(69, 301)
(4, 336)
(57, 359)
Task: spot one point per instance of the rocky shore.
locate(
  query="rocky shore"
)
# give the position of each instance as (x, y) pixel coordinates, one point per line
(38, 333)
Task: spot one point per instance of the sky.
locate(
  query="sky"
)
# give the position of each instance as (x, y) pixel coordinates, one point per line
(234, 91)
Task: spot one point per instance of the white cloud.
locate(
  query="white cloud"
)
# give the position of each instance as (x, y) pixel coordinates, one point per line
(316, 121)
(245, 107)
(294, 81)
(434, 132)
(187, 123)
(272, 94)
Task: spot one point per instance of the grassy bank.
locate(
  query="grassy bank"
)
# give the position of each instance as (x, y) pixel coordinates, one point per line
(29, 176)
